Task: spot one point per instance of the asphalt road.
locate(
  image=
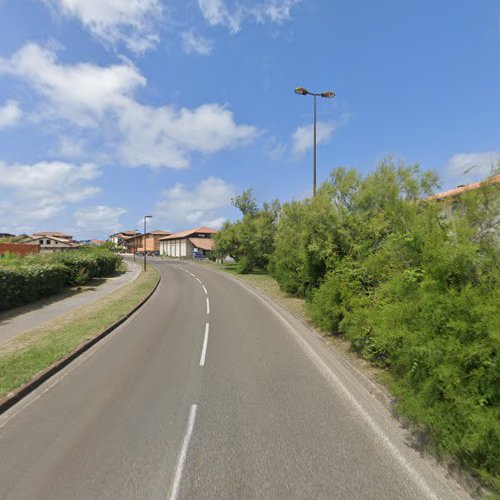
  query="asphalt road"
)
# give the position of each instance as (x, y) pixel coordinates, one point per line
(210, 391)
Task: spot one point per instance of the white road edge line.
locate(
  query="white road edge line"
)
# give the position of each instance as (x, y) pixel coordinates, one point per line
(181, 460)
(204, 289)
(208, 306)
(198, 280)
(335, 381)
(192, 275)
(205, 343)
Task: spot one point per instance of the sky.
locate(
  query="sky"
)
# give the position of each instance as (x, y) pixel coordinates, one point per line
(115, 109)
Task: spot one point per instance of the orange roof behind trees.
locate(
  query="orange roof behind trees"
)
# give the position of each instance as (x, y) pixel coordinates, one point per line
(462, 189)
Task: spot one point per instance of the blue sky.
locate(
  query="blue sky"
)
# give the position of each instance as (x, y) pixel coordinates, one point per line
(113, 109)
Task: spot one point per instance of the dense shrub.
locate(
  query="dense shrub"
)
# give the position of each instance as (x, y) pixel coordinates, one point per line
(25, 284)
(414, 285)
(25, 279)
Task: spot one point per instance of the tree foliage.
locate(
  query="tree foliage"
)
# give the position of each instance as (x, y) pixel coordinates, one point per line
(411, 282)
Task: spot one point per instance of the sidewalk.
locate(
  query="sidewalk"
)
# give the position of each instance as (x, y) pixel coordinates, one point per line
(21, 319)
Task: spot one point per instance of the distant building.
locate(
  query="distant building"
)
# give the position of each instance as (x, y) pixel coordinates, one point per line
(54, 234)
(189, 243)
(150, 242)
(121, 237)
(449, 198)
(52, 244)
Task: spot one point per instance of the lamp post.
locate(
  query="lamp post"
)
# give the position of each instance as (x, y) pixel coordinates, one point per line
(146, 217)
(327, 95)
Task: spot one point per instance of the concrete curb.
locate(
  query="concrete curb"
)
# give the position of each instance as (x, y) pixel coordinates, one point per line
(15, 396)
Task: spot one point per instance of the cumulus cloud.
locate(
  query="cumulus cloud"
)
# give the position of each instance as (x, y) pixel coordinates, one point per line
(93, 96)
(217, 12)
(70, 147)
(98, 219)
(10, 114)
(302, 138)
(181, 207)
(475, 165)
(43, 190)
(81, 92)
(133, 23)
(196, 44)
(166, 136)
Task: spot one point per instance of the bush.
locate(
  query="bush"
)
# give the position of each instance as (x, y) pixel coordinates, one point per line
(23, 280)
(22, 285)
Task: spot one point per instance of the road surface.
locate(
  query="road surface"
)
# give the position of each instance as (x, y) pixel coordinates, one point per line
(210, 391)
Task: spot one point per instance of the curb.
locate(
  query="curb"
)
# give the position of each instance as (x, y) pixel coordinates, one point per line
(15, 396)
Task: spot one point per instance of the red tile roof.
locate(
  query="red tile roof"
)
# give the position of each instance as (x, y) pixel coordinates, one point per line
(189, 232)
(462, 189)
(203, 243)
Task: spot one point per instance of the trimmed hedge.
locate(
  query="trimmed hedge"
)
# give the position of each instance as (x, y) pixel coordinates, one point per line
(25, 284)
(27, 279)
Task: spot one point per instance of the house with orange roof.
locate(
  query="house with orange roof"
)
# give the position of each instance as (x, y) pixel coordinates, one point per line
(186, 244)
(149, 242)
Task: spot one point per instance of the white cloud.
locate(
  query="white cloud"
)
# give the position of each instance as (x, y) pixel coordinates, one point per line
(216, 12)
(303, 137)
(70, 147)
(133, 23)
(99, 219)
(181, 208)
(43, 190)
(165, 136)
(196, 44)
(80, 93)
(10, 114)
(93, 96)
(473, 165)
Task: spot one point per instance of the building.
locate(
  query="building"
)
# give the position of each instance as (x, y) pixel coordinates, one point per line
(121, 237)
(450, 198)
(187, 244)
(54, 234)
(150, 242)
(19, 248)
(52, 244)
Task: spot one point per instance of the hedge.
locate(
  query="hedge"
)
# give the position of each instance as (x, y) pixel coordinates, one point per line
(28, 283)
(27, 279)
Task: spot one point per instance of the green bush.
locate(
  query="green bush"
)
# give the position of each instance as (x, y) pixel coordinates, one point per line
(25, 284)
(413, 284)
(25, 279)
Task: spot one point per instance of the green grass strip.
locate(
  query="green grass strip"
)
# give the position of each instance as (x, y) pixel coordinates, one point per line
(24, 356)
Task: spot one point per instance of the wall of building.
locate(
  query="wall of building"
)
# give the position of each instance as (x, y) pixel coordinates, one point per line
(180, 248)
(19, 248)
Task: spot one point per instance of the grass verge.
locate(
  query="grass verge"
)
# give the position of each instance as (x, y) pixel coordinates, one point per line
(23, 357)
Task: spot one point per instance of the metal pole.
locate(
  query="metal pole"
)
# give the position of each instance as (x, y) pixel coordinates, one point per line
(144, 245)
(314, 182)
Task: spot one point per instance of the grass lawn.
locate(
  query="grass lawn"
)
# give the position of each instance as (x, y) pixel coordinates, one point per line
(24, 356)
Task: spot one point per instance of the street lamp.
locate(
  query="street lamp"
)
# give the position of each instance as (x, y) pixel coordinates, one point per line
(146, 217)
(327, 95)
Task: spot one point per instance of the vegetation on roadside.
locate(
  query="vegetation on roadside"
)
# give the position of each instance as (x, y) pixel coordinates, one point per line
(23, 357)
(24, 279)
(415, 291)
